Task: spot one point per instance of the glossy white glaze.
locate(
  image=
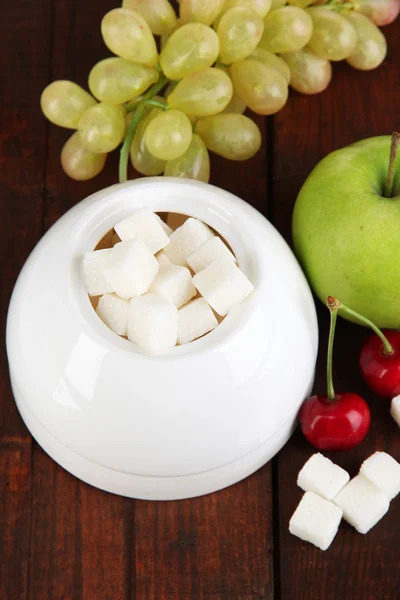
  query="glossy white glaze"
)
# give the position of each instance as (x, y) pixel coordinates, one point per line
(202, 406)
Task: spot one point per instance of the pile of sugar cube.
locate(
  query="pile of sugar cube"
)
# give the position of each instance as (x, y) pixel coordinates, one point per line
(330, 495)
(159, 287)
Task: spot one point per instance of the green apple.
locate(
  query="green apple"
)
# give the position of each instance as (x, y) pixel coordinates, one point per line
(346, 229)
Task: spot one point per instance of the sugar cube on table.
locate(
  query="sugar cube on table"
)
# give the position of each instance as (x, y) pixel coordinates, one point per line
(395, 409)
(162, 258)
(113, 311)
(174, 283)
(322, 476)
(213, 249)
(383, 471)
(153, 323)
(223, 285)
(186, 239)
(316, 520)
(168, 230)
(194, 320)
(145, 226)
(130, 268)
(92, 266)
(362, 503)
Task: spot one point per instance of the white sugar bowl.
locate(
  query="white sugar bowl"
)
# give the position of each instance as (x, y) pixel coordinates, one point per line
(197, 419)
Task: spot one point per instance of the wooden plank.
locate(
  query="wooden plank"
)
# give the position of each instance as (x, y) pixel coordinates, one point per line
(217, 547)
(357, 105)
(24, 67)
(22, 163)
(15, 469)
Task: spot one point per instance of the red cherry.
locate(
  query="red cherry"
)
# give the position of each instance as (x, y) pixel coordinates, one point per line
(380, 370)
(337, 424)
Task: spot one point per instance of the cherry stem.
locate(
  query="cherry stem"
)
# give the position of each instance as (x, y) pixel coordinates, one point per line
(390, 176)
(132, 127)
(331, 392)
(334, 302)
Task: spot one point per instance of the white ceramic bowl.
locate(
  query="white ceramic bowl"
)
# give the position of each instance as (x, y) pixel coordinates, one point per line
(193, 421)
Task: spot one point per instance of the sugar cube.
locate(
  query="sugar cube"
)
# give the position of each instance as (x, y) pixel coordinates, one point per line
(145, 226)
(113, 311)
(383, 471)
(223, 285)
(168, 230)
(316, 520)
(93, 265)
(213, 249)
(194, 320)
(322, 476)
(174, 283)
(162, 258)
(186, 239)
(153, 323)
(130, 268)
(362, 503)
(395, 409)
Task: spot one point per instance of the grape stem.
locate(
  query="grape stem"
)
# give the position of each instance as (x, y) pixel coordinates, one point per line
(339, 5)
(132, 127)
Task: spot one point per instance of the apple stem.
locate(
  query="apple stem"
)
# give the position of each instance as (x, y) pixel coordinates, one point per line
(336, 304)
(333, 309)
(390, 176)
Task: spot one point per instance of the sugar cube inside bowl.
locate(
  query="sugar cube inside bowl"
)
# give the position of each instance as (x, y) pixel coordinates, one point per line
(141, 286)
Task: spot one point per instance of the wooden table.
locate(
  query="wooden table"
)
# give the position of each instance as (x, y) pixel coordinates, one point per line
(63, 540)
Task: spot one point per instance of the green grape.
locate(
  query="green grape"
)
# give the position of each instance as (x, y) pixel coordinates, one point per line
(168, 135)
(262, 88)
(239, 32)
(192, 47)
(206, 92)
(261, 7)
(300, 3)
(144, 162)
(381, 12)
(78, 162)
(277, 4)
(232, 136)
(236, 105)
(310, 74)
(286, 29)
(164, 38)
(200, 11)
(64, 102)
(126, 33)
(193, 164)
(116, 80)
(371, 48)
(334, 37)
(102, 127)
(272, 60)
(159, 14)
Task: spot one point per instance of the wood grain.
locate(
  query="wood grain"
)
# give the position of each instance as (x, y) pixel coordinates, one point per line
(356, 105)
(25, 49)
(61, 539)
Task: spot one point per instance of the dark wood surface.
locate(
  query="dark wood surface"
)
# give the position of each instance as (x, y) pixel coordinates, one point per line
(61, 539)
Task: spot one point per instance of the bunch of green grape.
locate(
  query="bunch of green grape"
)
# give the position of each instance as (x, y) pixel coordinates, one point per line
(177, 86)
